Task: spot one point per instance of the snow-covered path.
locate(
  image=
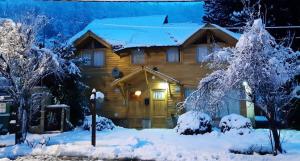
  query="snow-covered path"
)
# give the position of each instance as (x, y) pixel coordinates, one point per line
(158, 144)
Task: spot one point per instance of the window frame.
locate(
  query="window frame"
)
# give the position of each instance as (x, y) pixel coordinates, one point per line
(163, 92)
(178, 53)
(3, 108)
(197, 52)
(103, 55)
(133, 53)
(84, 52)
(92, 61)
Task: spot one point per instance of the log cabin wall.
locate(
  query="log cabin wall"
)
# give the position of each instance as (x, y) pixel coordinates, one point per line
(188, 71)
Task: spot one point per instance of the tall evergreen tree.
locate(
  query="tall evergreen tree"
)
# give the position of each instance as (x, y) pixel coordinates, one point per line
(274, 12)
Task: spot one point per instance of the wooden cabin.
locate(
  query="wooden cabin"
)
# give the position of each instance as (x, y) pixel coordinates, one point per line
(145, 66)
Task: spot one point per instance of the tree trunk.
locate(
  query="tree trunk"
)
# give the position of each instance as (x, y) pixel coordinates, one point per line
(21, 126)
(276, 138)
(22, 121)
(271, 116)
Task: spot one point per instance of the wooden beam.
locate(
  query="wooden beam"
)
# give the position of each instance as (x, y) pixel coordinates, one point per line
(125, 78)
(170, 89)
(122, 90)
(181, 92)
(146, 77)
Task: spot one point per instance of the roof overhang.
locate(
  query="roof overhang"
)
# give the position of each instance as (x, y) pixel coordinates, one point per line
(92, 35)
(227, 37)
(144, 69)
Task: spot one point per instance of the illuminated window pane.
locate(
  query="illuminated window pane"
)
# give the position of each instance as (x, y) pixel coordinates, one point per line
(158, 95)
(2, 108)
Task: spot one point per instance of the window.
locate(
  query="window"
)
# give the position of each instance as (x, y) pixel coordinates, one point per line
(188, 92)
(2, 108)
(93, 58)
(87, 57)
(158, 95)
(202, 52)
(99, 58)
(173, 55)
(138, 57)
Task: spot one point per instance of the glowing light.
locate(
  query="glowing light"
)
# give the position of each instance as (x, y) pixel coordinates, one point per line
(163, 85)
(137, 93)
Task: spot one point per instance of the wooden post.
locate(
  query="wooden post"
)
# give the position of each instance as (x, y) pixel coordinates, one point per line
(62, 119)
(93, 111)
(42, 121)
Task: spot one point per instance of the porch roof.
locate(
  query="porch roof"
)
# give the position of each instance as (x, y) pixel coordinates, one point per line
(144, 69)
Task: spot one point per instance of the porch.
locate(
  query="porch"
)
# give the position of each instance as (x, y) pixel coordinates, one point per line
(150, 98)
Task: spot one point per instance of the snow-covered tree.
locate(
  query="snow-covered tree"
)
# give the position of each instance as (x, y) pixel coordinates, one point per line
(70, 90)
(263, 66)
(24, 65)
(229, 12)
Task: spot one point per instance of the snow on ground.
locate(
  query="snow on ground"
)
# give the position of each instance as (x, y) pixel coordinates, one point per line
(158, 144)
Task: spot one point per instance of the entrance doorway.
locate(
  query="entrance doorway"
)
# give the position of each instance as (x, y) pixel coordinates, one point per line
(159, 108)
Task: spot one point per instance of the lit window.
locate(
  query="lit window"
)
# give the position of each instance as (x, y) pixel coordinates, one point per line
(99, 58)
(2, 108)
(159, 95)
(173, 55)
(138, 57)
(202, 52)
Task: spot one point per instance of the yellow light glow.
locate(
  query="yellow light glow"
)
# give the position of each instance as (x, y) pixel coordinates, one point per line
(163, 85)
(137, 93)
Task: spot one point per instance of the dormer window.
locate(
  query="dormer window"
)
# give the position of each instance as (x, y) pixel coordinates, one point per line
(201, 53)
(138, 56)
(173, 55)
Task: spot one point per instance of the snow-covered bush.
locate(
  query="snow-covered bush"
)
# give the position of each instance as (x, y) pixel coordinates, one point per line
(193, 122)
(235, 123)
(102, 123)
(250, 149)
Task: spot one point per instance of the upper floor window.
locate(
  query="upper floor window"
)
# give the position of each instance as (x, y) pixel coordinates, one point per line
(99, 58)
(173, 55)
(93, 58)
(202, 52)
(87, 57)
(188, 92)
(138, 56)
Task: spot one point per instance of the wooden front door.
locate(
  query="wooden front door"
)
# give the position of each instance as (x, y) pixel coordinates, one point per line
(159, 108)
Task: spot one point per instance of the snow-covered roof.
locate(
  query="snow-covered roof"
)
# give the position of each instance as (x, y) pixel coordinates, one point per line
(232, 34)
(140, 20)
(145, 31)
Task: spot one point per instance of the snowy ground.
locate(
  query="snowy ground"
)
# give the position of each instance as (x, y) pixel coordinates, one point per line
(156, 144)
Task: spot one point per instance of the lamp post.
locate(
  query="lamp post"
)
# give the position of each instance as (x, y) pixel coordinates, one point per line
(93, 111)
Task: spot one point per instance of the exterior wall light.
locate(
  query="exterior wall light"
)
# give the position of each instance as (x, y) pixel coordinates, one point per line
(138, 93)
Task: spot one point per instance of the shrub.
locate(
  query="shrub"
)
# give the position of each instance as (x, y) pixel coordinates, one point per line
(102, 123)
(235, 123)
(193, 122)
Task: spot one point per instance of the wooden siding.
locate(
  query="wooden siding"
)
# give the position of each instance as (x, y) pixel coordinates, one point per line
(188, 71)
